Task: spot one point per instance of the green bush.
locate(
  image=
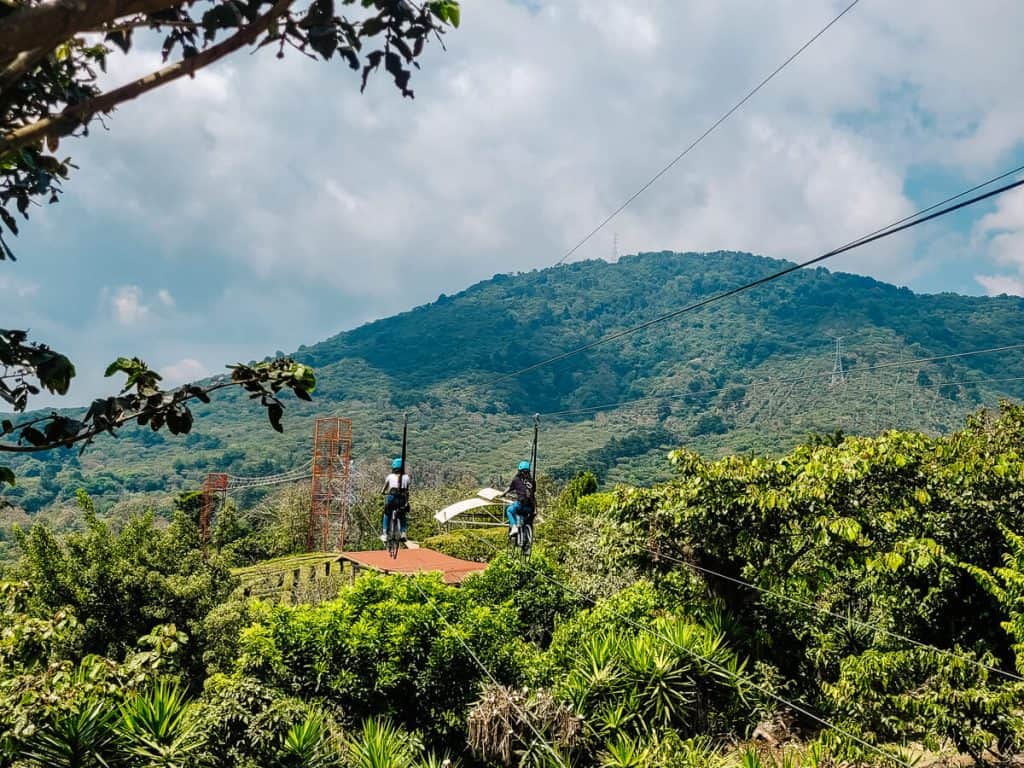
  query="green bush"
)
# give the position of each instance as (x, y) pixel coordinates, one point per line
(531, 588)
(480, 545)
(382, 650)
(121, 584)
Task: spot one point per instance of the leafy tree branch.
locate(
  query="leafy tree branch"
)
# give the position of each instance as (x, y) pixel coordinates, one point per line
(141, 399)
(50, 62)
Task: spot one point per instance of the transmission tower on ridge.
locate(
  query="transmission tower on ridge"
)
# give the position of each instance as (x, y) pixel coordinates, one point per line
(838, 374)
(332, 454)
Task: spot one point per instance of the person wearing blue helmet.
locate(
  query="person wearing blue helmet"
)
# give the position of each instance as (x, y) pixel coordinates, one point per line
(396, 496)
(523, 509)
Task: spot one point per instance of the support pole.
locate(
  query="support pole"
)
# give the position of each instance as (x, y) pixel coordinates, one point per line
(533, 457)
(405, 435)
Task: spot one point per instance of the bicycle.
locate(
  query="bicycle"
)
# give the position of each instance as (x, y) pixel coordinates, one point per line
(394, 532)
(522, 540)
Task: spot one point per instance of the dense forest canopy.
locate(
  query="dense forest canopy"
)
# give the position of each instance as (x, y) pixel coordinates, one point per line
(853, 601)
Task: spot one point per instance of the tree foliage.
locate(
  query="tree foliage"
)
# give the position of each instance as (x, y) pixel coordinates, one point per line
(121, 584)
(860, 581)
(51, 55)
(141, 400)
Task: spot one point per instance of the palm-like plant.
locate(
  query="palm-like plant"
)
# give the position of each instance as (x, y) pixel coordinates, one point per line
(308, 744)
(751, 758)
(615, 717)
(624, 752)
(160, 727)
(661, 679)
(433, 760)
(381, 744)
(84, 738)
(596, 675)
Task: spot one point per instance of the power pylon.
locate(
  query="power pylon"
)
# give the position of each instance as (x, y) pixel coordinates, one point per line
(838, 374)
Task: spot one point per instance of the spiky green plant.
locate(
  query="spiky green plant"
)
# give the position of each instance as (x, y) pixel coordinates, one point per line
(624, 752)
(433, 760)
(160, 727)
(751, 758)
(662, 680)
(84, 738)
(309, 744)
(381, 744)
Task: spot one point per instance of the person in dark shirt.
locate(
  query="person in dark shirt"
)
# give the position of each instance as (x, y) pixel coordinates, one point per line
(523, 509)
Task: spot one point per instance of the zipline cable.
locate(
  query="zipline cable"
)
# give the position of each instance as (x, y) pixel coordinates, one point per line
(824, 611)
(793, 379)
(833, 614)
(704, 135)
(881, 388)
(458, 636)
(277, 474)
(892, 229)
(735, 677)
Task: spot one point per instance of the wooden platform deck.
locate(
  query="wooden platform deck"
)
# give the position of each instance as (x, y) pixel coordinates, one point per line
(412, 561)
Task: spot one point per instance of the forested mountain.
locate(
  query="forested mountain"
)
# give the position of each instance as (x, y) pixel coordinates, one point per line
(720, 379)
(851, 601)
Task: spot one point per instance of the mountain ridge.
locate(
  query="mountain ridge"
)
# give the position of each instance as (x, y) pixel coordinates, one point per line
(439, 359)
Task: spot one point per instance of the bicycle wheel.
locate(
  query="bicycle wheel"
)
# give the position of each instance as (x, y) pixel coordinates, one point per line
(526, 539)
(394, 535)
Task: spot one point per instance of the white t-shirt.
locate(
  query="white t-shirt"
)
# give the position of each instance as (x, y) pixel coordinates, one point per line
(392, 481)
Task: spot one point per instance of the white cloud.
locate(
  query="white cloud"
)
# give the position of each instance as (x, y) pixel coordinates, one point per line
(127, 305)
(11, 286)
(996, 285)
(185, 370)
(273, 191)
(1002, 231)
(1000, 237)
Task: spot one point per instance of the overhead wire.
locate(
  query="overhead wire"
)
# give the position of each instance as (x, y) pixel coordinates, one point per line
(706, 133)
(901, 225)
(884, 387)
(833, 614)
(458, 636)
(735, 677)
(775, 382)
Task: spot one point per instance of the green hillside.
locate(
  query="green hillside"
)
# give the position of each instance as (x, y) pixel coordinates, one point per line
(439, 362)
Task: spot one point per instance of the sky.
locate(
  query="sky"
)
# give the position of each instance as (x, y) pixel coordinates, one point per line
(267, 204)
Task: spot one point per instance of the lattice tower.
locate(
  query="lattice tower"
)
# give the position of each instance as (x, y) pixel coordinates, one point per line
(332, 455)
(215, 489)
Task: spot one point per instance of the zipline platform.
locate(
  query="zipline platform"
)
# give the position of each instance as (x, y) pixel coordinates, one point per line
(413, 561)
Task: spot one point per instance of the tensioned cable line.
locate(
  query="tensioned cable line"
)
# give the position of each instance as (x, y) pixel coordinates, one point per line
(458, 636)
(909, 222)
(826, 611)
(789, 380)
(704, 135)
(240, 478)
(880, 388)
(735, 677)
(833, 614)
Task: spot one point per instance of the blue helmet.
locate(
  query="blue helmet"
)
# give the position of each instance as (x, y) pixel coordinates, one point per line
(396, 464)
(524, 465)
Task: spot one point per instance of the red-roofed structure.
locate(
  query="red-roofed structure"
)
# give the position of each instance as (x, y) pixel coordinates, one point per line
(412, 561)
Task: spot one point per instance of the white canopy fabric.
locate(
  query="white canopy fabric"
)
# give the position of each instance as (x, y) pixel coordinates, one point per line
(485, 497)
(489, 493)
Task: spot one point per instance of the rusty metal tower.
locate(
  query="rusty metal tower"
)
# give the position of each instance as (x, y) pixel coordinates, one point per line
(332, 454)
(215, 488)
